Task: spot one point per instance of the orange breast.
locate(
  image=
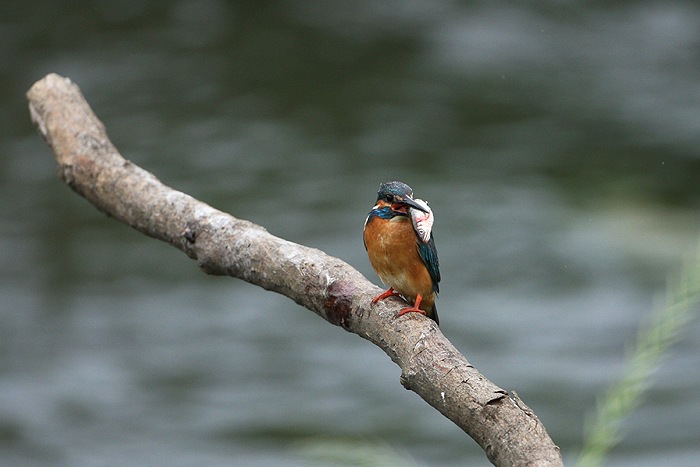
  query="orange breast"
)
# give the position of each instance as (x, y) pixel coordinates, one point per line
(393, 252)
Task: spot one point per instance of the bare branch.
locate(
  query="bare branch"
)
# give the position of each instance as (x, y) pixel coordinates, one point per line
(507, 430)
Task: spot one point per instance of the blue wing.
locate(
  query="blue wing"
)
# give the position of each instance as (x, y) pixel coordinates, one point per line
(428, 254)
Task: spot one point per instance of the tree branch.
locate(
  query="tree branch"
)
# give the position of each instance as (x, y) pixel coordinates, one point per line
(507, 430)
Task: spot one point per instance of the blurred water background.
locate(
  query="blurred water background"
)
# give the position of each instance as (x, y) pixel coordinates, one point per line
(557, 142)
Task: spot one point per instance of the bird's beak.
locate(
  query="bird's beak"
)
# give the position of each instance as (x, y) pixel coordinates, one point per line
(408, 201)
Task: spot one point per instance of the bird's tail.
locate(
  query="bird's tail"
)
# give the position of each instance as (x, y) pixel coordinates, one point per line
(432, 314)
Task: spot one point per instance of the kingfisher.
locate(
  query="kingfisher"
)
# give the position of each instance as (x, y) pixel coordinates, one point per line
(399, 242)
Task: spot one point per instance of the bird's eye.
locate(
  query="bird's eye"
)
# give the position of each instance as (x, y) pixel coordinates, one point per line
(390, 198)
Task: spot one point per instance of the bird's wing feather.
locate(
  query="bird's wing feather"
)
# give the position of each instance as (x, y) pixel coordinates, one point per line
(428, 253)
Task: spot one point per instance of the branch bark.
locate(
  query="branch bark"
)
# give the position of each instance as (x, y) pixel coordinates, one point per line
(507, 430)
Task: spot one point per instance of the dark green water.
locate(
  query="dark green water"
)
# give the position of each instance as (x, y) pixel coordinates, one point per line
(557, 144)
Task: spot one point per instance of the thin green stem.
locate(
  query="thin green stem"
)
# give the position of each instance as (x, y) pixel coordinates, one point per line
(651, 346)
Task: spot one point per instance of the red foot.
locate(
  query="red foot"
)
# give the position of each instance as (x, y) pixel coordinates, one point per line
(412, 309)
(389, 293)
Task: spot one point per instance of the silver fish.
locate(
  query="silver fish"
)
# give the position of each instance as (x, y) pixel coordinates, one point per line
(422, 221)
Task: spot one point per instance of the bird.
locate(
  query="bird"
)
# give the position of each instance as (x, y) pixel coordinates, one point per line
(400, 245)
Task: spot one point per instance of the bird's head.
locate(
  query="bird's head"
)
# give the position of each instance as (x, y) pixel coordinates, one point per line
(398, 196)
